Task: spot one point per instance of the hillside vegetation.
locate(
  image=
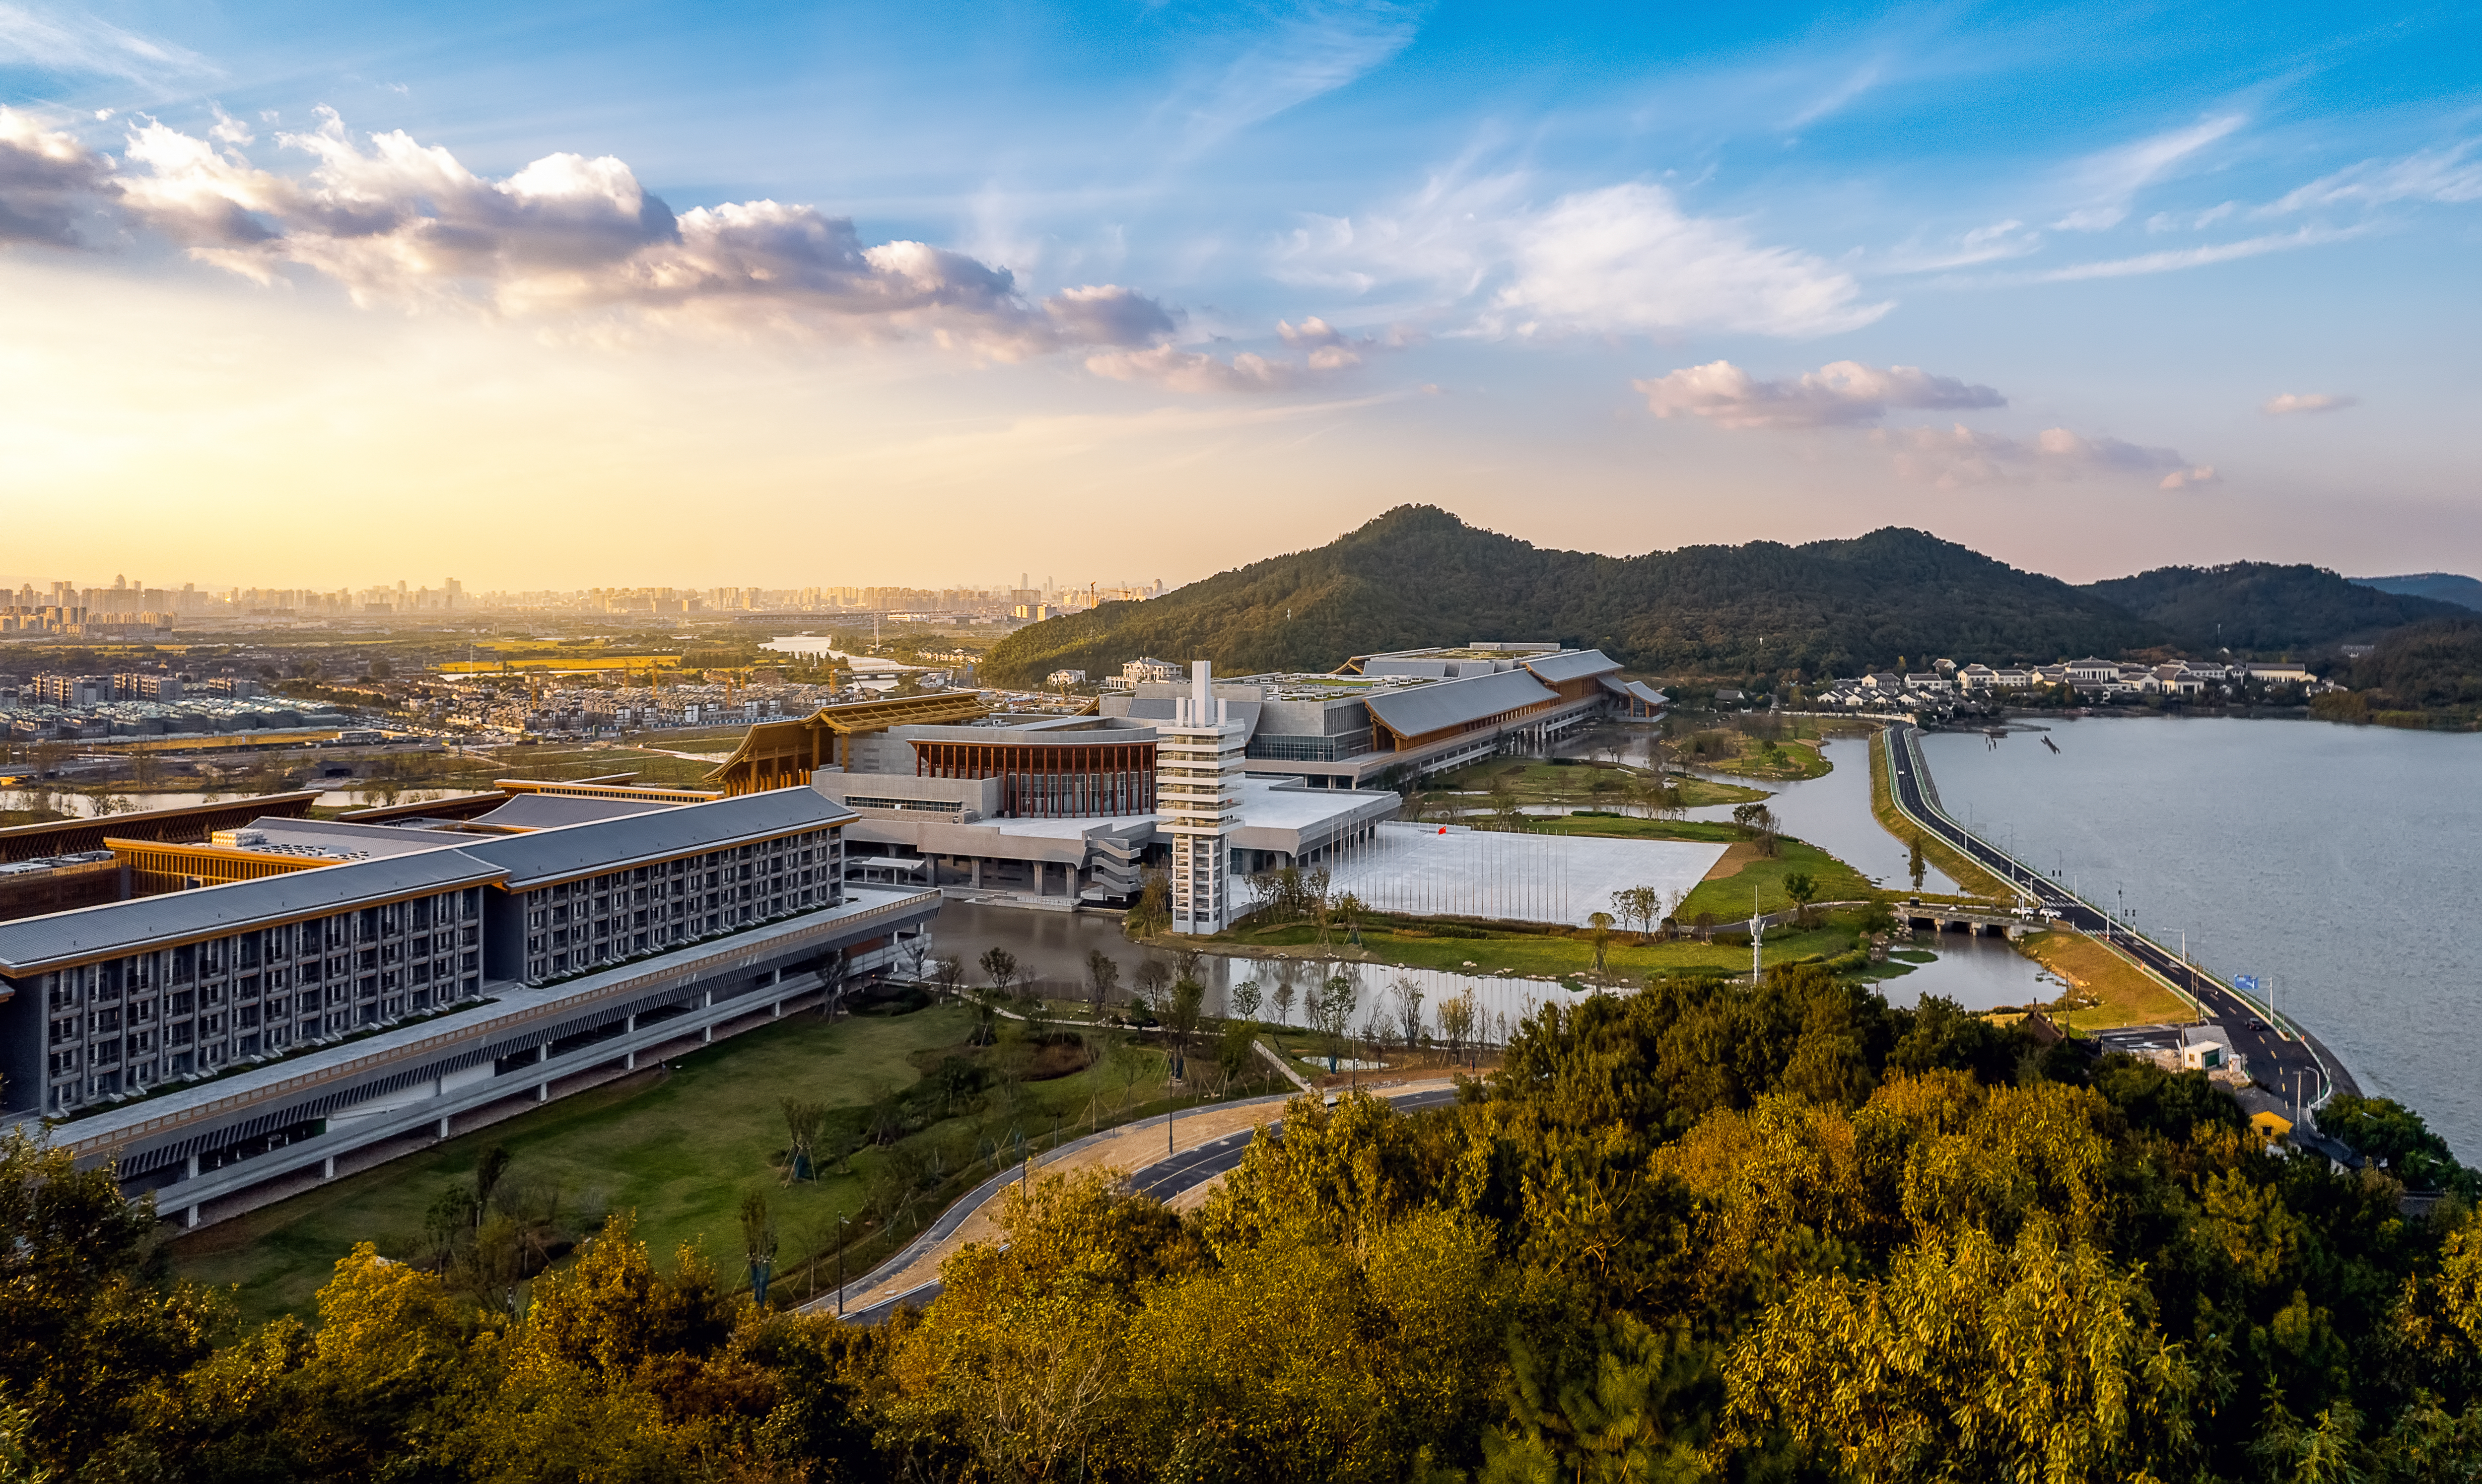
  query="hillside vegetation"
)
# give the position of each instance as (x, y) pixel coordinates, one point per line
(2262, 607)
(1707, 1231)
(1417, 576)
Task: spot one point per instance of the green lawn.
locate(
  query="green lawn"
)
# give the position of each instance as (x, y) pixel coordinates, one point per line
(680, 1150)
(1728, 897)
(1563, 956)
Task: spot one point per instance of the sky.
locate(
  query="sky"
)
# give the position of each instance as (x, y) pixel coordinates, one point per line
(560, 296)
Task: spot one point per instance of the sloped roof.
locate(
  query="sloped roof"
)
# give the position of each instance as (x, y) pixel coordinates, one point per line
(1573, 664)
(552, 811)
(115, 928)
(1420, 709)
(604, 845)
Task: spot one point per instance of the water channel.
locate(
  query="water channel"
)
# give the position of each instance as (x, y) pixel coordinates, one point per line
(2337, 863)
(1832, 812)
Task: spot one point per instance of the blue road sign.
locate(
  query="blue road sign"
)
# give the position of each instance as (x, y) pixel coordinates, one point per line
(2247, 984)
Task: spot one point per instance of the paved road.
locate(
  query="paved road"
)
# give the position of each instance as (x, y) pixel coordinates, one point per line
(2278, 1058)
(1162, 1179)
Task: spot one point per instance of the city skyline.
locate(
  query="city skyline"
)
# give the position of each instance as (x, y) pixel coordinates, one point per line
(644, 295)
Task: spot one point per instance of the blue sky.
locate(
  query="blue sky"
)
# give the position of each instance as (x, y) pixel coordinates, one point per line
(1136, 290)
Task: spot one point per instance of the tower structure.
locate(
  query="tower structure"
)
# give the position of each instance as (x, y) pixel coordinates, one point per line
(1198, 801)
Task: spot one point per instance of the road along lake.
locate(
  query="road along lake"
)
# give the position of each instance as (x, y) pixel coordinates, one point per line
(2341, 865)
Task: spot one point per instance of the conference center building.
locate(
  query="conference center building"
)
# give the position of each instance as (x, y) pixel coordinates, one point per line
(294, 998)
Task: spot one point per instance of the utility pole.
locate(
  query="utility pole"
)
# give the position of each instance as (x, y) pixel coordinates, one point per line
(840, 1265)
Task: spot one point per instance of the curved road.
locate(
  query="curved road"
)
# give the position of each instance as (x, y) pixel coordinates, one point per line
(2280, 1056)
(1162, 1179)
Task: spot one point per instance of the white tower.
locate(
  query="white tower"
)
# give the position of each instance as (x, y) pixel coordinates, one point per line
(1198, 799)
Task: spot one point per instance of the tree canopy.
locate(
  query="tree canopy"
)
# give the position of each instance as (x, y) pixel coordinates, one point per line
(1700, 1231)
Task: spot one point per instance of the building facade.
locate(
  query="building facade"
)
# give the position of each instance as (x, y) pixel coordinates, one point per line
(456, 945)
(1198, 777)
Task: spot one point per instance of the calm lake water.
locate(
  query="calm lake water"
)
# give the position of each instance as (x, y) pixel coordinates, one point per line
(2339, 864)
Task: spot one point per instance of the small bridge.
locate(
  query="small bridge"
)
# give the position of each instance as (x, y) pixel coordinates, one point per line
(1980, 923)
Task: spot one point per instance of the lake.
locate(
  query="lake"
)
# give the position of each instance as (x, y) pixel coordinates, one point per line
(2337, 864)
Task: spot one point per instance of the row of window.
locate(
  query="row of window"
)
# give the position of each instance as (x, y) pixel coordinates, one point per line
(622, 914)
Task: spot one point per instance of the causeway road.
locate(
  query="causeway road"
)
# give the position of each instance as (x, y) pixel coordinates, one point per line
(2280, 1056)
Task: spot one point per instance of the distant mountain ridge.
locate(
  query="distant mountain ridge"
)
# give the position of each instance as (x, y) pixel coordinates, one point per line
(1417, 576)
(2438, 587)
(2264, 606)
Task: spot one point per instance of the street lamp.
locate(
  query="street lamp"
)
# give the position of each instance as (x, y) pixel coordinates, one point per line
(840, 1265)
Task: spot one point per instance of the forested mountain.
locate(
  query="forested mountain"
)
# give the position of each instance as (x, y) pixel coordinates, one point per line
(2431, 665)
(2262, 607)
(1417, 575)
(2439, 586)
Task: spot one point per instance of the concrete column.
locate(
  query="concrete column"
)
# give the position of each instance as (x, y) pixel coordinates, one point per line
(444, 1126)
(193, 1167)
(778, 1011)
(542, 1091)
(977, 873)
(190, 1217)
(542, 1052)
(328, 1168)
(706, 1037)
(629, 1025)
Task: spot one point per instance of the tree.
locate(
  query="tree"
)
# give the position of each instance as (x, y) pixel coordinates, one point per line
(758, 1242)
(802, 1122)
(88, 1318)
(1409, 1011)
(1103, 981)
(1188, 996)
(1336, 1002)
(1245, 999)
(1758, 821)
(948, 972)
(1457, 1023)
(999, 966)
(1803, 888)
(1915, 865)
(1599, 928)
(1152, 914)
(1284, 994)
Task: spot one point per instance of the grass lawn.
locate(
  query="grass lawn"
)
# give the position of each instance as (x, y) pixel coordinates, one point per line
(1629, 827)
(1776, 761)
(1964, 873)
(1583, 782)
(2108, 990)
(1729, 897)
(680, 1148)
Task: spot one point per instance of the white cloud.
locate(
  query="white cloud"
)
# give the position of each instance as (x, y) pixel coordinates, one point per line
(1957, 457)
(2174, 259)
(1198, 371)
(1326, 351)
(2446, 177)
(1320, 46)
(1627, 258)
(2108, 181)
(48, 182)
(2291, 403)
(396, 222)
(1840, 393)
(1618, 260)
(65, 42)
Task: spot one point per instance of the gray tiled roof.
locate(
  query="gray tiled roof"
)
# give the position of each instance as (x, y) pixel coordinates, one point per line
(1574, 665)
(1426, 708)
(585, 849)
(29, 944)
(551, 810)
